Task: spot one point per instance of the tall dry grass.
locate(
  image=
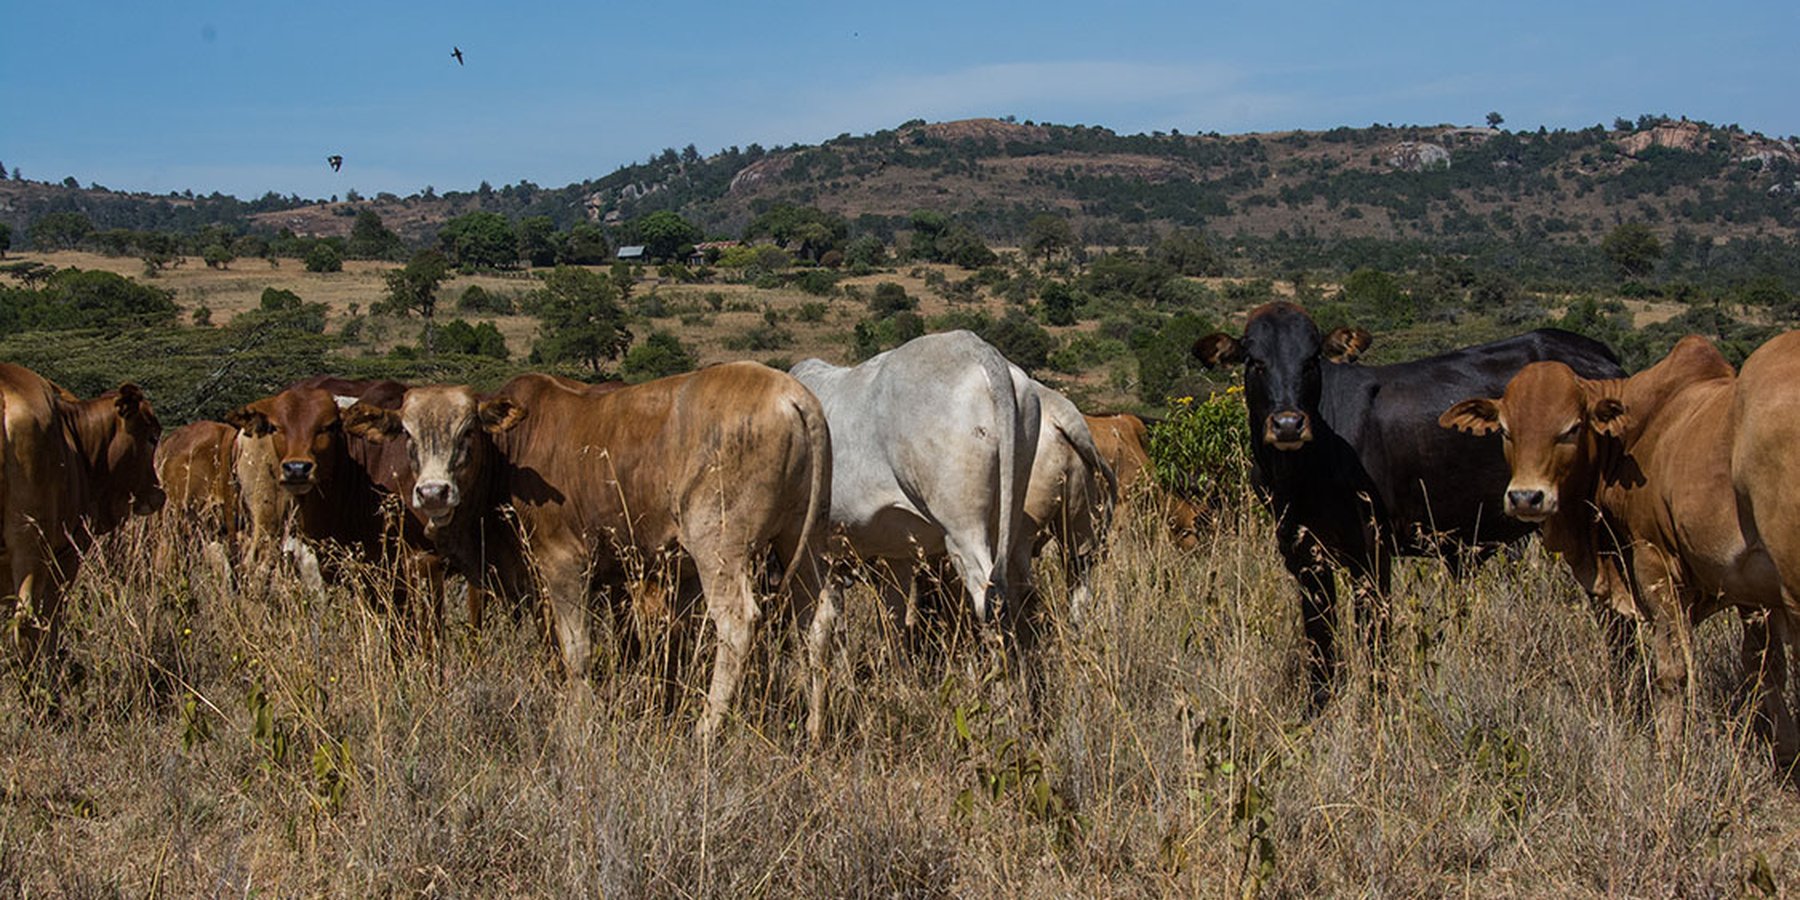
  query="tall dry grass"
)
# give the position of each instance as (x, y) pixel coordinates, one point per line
(225, 740)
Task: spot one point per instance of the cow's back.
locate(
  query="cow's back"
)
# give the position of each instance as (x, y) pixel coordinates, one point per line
(1765, 462)
(641, 463)
(1432, 479)
(195, 464)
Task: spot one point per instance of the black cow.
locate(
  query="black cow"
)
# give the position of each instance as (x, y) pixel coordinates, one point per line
(1352, 462)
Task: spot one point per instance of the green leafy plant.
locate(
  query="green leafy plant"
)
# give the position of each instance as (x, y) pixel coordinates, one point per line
(1202, 449)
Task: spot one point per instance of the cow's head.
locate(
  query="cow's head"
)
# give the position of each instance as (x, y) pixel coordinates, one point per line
(445, 427)
(1550, 422)
(128, 431)
(304, 427)
(1283, 354)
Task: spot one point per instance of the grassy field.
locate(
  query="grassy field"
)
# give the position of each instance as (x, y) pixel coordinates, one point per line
(258, 740)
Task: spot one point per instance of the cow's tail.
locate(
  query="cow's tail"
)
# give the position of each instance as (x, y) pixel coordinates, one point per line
(818, 498)
(1012, 480)
(1081, 438)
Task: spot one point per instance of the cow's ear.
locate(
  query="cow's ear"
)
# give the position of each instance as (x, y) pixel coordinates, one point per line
(500, 414)
(1477, 416)
(1218, 349)
(1609, 416)
(131, 401)
(249, 421)
(370, 422)
(1344, 345)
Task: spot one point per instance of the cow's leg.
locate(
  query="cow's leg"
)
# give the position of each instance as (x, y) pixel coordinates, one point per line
(813, 596)
(731, 604)
(1668, 646)
(565, 587)
(1308, 563)
(1764, 665)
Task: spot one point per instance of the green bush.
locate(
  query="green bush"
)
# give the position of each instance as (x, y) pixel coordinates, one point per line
(324, 258)
(1202, 450)
(660, 355)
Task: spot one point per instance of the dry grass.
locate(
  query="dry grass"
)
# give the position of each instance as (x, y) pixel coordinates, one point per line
(1487, 755)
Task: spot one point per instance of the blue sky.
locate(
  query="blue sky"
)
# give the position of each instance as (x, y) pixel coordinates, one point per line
(246, 97)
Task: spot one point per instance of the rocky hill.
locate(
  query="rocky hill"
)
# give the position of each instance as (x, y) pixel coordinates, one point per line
(1434, 184)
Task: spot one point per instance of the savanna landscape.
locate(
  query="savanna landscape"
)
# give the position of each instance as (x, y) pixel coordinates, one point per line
(219, 729)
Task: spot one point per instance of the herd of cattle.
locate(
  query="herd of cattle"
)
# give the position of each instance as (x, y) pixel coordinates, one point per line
(1668, 493)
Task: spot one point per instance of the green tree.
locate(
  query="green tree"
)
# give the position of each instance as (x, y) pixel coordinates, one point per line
(801, 230)
(580, 319)
(1187, 252)
(5, 236)
(60, 231)
(1374, 299)
(1633, 250)
(217, 256)
(537, 240)
(1059, 303)
(322, 257)
(663, 234)
(479, 240)
(370, 239)
(1048, 236)
(890, 298)
(660, 355)
(485, 339)
(1021, 340)
(586, 245)
(415, 287)
(1495, 120)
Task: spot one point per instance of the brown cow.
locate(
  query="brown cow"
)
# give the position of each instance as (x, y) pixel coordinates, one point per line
(1648, 459)
(1124, 443)
(196, 465)
(74, 469)
(718, 467)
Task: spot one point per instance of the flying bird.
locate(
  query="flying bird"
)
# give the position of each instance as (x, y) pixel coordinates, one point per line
(336, 161)
(457, 52)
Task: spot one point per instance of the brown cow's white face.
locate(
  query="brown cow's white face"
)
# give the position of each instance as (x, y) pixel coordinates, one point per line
(1549, 421)
(443, 426)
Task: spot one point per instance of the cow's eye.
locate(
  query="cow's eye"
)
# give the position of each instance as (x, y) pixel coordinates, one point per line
(1569, 434)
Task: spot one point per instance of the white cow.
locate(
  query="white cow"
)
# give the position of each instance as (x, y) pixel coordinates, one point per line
(1072, 490)
(932, 448)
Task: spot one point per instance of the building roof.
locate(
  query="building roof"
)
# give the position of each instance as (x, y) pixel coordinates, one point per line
(635, 251)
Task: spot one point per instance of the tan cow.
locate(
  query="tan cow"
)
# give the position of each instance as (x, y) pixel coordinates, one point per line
(1124, 443)
(1647, 459)
(196, 465)
(74, 469)
(716, 468)
(1072, 492)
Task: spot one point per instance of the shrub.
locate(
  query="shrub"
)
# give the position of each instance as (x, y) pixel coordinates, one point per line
(476, 299)
(324, 258)
(1202, 450)
(660, 355)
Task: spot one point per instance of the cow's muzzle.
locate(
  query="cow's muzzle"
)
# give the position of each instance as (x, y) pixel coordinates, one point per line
(1289, 429)
(436, 499)
(298, 475)
(1530, 504)
(149, 501)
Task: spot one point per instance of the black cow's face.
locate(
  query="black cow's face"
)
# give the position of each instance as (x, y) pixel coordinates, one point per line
(1284, 355)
